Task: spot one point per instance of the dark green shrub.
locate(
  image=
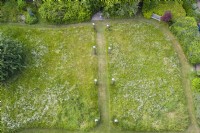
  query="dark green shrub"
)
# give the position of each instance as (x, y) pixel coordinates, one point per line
(187, 32)
(53, 12)
(2, 13)
(93, 5)
(190, 8)
(194, 6)
(21, 4)
(148, 7)
(196, 84)
(121, 8)
(11, 57)
(9, 11)
(31, 19)
(193, 51)
(64, 12)
(77, 13)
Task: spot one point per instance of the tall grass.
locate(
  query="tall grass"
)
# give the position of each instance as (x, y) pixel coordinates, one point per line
(148, 93)
(56, 88)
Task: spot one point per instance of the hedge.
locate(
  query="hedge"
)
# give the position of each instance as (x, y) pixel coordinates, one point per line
(160, 7)
(121, 8)
(189, 7)
(187, 33)
(64, 12)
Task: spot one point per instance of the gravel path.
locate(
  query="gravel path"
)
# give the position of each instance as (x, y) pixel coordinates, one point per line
(98, 16)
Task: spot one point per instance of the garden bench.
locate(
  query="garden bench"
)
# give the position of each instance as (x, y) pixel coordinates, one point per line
(156, 17)
(197, 68)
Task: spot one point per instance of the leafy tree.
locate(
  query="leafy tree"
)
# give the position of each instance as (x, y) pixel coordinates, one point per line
(31, 19)
(65, 12)
(120, 8)
(37, 3)
(9, 11)
(187, 5)
(196, 84)
(21, 4)
(187, 32)
(93, 5)
(11, 57)
(53, 12)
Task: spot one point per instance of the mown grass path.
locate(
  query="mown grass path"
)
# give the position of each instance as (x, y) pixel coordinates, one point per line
(103, 91)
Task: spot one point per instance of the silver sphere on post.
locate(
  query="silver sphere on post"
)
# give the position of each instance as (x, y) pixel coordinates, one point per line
(113, 81)
(108, 27)
(111, 45)
(94, 49)
(109, 50)
(116, 121)
(96, 120)
(95, 81)
(94, 27)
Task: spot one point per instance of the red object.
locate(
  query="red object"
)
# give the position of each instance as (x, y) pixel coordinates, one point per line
(167, 16)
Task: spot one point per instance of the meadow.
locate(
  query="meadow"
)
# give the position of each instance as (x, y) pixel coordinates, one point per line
(55, 89)
(148, 94)
(55, 92)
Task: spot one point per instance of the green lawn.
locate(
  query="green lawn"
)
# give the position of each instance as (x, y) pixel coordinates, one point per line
(148, 94)
(56, 88)
(196, 95)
